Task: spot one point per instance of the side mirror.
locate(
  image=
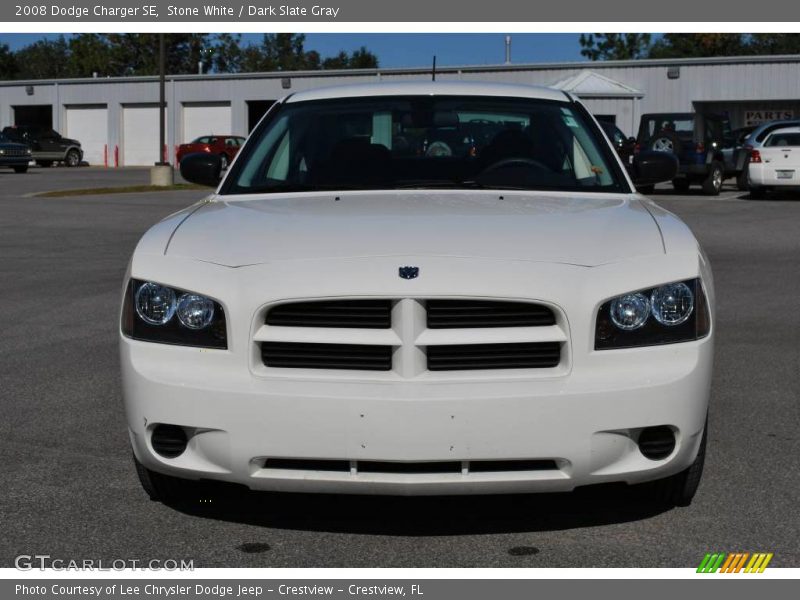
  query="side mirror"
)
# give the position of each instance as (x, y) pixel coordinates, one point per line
(650, 167)
(202, 168)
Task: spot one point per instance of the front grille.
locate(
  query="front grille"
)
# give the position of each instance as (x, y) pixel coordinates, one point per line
(291, 355)
(459, 314)
(409, 336)
(16, 152)
(539, 355)
(362, 314)
(412, 467)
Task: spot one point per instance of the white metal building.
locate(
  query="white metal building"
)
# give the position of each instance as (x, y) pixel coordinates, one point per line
(116, 119)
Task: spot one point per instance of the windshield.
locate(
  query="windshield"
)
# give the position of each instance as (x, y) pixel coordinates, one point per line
(425, 142)
(682, 126)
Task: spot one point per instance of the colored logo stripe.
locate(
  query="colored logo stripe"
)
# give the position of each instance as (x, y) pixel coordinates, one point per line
(734, 562)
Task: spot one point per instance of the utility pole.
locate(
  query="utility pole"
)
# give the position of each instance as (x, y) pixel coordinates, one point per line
(161, 173)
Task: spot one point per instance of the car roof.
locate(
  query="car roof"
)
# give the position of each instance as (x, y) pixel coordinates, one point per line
(794, 129)
(680, 115)
(430, 88)
(771, 126)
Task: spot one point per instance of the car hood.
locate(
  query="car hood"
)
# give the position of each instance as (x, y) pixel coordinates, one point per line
(13, 146)
(581, 229)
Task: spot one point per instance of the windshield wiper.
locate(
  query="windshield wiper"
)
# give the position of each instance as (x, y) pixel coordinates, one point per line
(295, 187)
(463, 185)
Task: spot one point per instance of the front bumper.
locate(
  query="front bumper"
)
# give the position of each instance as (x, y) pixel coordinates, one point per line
(584, 418)
(15, 161)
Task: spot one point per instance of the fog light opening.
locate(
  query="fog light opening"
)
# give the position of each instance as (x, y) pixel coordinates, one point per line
(656, 443)
(169, 441)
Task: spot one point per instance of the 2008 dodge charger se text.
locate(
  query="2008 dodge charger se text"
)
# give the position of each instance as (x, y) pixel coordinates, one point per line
(421, 288)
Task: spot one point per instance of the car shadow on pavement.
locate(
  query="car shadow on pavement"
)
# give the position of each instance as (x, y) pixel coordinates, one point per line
(429, 515)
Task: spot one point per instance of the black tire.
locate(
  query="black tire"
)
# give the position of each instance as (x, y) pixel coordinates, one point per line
(681, 185)
(742, 182)
(757, 193)
(169, 490)
(224, 158)
(679, 489)
(665, 141)
(72, 158)
(645, 189)
(712, 184)
(44, 163)
(23, 169)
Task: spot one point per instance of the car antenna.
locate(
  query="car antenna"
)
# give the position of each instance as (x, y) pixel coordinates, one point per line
(433, 71)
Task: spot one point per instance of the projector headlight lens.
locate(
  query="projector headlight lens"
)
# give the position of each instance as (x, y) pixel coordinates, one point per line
(630, 311)
(672, 304)
(195, 311)
(155, 304)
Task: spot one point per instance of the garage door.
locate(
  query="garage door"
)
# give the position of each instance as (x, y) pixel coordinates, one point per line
(139, 136)
(206, 119)
(88, 125)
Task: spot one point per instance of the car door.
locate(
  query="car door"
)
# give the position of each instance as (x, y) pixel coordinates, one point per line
(52, 145)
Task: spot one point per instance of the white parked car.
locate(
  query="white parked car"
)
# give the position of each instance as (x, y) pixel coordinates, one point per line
(421, 288)
(776, 163)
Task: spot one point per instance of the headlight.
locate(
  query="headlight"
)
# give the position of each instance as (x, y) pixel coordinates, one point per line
(154, 312)
(630, 311)
(672, 304)
(670, 313)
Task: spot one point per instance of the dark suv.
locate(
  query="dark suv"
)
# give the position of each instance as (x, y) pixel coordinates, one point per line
(703, 143)
(14, 155)
(47, 145)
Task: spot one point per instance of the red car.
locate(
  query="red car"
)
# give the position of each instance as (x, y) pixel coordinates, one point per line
(225, 145)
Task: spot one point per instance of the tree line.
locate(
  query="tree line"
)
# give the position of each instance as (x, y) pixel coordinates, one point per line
(626, 46)
(122, 54)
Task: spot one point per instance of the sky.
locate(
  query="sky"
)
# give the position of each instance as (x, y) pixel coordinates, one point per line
(417, 49)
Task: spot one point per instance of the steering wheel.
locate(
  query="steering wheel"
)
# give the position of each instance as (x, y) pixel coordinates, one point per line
(439, 148)
(518, 160)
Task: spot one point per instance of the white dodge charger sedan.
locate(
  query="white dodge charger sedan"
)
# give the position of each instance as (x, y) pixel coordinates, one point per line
(421, 288)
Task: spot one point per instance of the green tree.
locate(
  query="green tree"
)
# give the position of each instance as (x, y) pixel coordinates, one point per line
(363, 59)
(227, 53)
(8, 63)
(88, 54)
(338, 61)
(45, 59)
(137, 53)
(614, 46)
(688, 45)
(774, 43)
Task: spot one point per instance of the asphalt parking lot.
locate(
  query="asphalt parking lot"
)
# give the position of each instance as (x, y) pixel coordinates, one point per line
(69, 488)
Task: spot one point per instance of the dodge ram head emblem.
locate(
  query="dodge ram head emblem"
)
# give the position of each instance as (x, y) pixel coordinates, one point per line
(408, 272)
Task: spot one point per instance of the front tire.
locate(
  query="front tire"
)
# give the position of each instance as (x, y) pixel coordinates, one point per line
(712, 185)
(680, 489)
(23, 169)
(73, 158)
